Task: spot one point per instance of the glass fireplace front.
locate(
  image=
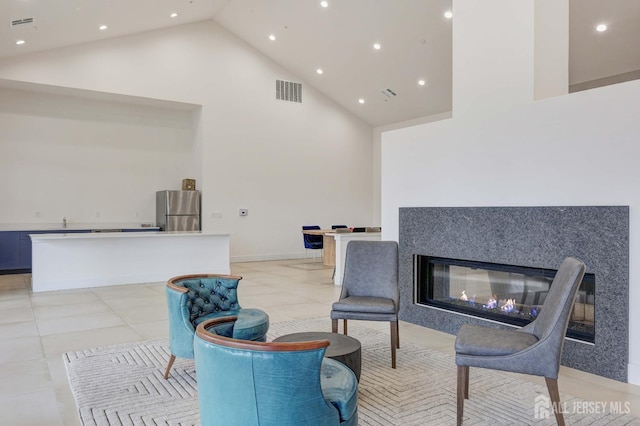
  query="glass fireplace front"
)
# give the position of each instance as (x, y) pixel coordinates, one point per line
(505, 293)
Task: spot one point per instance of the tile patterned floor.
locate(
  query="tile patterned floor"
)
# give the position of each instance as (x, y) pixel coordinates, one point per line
(35, 329)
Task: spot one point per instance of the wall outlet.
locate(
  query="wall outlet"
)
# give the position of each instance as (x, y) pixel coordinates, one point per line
(244, 212)
(216, 215)
(97, 214)
(37, 214)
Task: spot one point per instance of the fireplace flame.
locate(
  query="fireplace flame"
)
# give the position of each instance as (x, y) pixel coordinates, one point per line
(465, 298)
(509, 306)
(492, 303)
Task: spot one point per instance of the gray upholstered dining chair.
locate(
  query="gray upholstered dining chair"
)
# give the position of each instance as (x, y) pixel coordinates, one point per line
(534, 349)
(370, 287)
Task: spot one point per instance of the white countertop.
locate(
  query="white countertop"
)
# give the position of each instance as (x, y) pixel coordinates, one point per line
(106, 235)
(71, 226)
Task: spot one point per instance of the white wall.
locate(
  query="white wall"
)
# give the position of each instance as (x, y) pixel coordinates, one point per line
(290, 164)
(578, 149)
(86, 160)
(493, 56)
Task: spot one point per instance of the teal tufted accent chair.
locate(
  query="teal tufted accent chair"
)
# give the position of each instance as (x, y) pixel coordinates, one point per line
(192, 299)
(268, 384)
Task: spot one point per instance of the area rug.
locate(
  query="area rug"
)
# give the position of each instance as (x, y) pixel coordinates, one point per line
(123, 385)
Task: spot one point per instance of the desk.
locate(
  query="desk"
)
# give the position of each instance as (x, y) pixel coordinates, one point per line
(328, 244)
(341, 241)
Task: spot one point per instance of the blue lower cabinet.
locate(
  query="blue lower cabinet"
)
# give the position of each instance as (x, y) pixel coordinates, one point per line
(9, 253)
(25, 248)
(25, 254)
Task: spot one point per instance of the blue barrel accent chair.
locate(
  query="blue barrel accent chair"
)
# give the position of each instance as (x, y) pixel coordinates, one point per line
(274, 383)
(192, 299)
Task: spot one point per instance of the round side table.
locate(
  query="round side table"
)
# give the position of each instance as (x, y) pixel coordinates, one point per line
(344, 349)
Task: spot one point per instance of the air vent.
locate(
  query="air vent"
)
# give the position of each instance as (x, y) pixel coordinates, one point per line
(288, 91)
(21, 21)
(388, 93)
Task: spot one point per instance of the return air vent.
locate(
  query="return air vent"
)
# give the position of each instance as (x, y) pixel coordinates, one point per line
(23, 21)
(288, 91)
(388, 93)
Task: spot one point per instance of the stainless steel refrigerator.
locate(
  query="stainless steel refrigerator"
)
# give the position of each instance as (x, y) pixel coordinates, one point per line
(178, 210)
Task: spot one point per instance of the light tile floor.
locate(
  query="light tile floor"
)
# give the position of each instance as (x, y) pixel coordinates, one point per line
(36, 329)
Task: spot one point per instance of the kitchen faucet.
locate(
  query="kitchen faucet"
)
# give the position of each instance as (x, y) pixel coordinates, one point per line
(64, 222)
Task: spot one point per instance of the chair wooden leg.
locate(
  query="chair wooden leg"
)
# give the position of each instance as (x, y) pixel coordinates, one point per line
(466, 384)
(554, 394)
(462, 391)
(166, 372)
(344, 326)
(394, 342)
(334, 325)
(398, 333)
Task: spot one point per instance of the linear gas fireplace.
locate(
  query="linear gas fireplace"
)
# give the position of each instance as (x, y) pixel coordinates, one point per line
(496, 295)
(509, 294)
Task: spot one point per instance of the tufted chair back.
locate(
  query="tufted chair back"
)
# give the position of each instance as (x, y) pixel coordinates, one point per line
(192, 299)
(206, 294)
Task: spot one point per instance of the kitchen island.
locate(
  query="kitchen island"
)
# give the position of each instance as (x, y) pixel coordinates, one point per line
(15, 243)
(82, 260)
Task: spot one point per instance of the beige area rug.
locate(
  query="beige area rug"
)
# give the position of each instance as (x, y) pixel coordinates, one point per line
(123, 385)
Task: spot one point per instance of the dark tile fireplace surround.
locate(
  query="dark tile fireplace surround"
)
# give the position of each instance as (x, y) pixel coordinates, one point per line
(536, 237)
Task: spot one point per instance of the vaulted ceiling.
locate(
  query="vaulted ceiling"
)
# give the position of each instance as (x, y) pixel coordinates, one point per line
(414, 37)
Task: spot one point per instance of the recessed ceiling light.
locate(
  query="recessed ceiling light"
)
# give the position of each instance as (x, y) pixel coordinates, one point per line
(272, 37)
(377, 46)
(324, 3)
(173, 15)
(448, 14)
(19, 42)
(103, 27)
(421, 82)
(600, 28)
(361, 100)
(319, 71)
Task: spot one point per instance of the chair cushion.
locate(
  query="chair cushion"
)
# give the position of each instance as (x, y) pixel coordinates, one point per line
(339, 387)
(377, 305)
(485, 341)
(252, 324)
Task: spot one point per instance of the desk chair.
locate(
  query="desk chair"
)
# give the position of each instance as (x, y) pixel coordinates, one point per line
(312, 242)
